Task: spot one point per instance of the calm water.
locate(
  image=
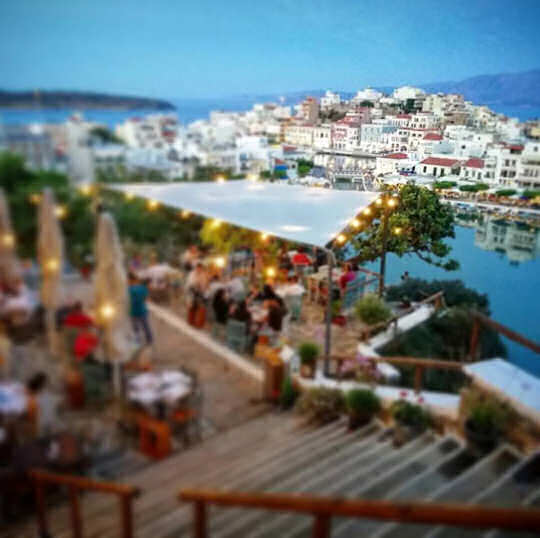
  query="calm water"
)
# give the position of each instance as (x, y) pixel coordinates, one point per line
(513, 288)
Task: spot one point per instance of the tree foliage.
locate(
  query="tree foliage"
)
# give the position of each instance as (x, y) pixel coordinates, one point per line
(423, 223)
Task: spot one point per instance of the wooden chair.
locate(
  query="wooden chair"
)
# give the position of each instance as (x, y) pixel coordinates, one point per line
(187, 420)
(154, 437)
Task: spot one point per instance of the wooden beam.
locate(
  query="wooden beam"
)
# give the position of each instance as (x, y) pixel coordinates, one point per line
(76, 521)
(127, 516)
(41, 509)
(439, 364)
(509, 333)
(461, 515)
(200, 519)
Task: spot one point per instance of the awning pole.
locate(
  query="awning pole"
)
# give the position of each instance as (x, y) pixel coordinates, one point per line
(328, 335)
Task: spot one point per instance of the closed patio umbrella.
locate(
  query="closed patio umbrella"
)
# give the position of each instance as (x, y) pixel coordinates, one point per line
(9, 264)
(110, 293)
(51, 259)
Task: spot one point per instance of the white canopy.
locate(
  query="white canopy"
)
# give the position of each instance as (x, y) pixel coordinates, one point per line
(307, 215)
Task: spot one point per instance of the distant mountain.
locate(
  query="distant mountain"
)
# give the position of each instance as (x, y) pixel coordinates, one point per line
(79, 100)
(516, 89)
(512, 89)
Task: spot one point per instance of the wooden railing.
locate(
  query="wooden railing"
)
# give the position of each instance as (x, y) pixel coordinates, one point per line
(75, 485)
(419, 365)
(324, 508)
(437, 299)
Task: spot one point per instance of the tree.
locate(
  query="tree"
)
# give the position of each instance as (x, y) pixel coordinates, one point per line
(105, 136)
(368, 104)
(418, 225)
(304, 167)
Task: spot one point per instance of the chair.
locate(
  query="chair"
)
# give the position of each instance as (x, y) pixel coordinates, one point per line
(294, 306)
(236, 335)
(189, 417)
(154, 437)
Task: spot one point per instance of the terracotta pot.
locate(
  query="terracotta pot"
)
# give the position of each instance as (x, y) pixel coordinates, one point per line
(307, 371)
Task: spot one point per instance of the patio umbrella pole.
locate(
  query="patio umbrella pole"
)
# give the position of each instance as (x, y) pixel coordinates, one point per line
(328, 333)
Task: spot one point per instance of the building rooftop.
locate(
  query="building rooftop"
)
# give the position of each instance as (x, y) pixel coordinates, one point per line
(433, 136)
(395, 156)
(439, 161)
(474, 163)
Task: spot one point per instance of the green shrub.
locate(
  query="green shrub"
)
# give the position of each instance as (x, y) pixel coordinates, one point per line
(321, 405)
(409, 414)
(371, 309)
(308, 352)
(474, 188)
(444, 184)
(486, 415)
(531, 193)
(363, 401)
(506, 192)
(288, 394)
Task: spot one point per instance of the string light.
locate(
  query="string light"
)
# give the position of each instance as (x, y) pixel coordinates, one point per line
(216, 223)
(129, 196)
(52, 265)
(60, 211)
(185, 214)
(107, 311)
(367, 211)
(264, 236)
(8, 240)
(397, 230)
(355, 223)
(152, 204)
(219, 262)
(392, 202)
(378, 201)
(341, 239)
(270, 272)
(86, 189)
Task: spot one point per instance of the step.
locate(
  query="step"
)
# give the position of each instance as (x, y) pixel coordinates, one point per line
(390, 483)
(511, 490)
(379, 460)
(302, 480)
(477, 477)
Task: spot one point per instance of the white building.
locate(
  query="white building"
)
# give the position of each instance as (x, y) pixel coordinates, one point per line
(367, 94)
(407, 92)
(438, 167)
(330, 100)
(322, 136)
(391, 163)
(529, 169)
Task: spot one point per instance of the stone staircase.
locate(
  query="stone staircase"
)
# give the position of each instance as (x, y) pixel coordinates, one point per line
(274, 453)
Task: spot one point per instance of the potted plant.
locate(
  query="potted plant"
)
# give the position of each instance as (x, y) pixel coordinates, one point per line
(362, 404)
(320, 405)
(410, 419)
(484, 426)
(308, 352)
(371, 309)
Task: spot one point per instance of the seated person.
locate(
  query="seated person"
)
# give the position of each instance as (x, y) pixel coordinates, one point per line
(214, 286)
(240, 312)
(301, 258)
(197, 280)
(76, 318)
(276, 313)
(220, 306)
(347, 276)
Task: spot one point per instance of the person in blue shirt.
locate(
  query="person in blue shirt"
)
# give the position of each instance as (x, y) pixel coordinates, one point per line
(138, 294)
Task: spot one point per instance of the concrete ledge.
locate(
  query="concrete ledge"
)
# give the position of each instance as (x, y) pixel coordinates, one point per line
(236, 360)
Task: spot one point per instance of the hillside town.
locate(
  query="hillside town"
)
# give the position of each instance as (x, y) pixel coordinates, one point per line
(371, 137)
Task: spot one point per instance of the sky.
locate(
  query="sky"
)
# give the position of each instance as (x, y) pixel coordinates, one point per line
(203, 48)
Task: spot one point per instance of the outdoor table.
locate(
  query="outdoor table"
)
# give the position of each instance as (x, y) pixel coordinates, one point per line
(258, 313)
(159, 392)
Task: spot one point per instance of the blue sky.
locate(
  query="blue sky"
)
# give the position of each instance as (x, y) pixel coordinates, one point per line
(204, 48)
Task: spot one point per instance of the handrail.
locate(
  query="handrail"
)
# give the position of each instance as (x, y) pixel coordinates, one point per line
(76, 484)
(418, 363)
(324, 508)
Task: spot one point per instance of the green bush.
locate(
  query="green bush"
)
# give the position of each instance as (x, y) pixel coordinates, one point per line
(506, 192)
(474, 188)
(288, 394)
(444, 184)
(409, 414)
(308, 352)
(531, 193)
(371, 309)
(363, 401)
(485, 414)
(321, 405)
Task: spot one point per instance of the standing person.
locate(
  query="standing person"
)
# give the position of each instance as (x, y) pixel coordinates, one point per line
(138, 293)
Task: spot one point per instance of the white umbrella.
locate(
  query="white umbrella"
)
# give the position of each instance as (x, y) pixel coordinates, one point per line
(9, 264)
(51, 258)
(110, 291)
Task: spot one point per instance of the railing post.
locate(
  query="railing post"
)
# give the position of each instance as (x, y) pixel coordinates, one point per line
(200, 519)
(76, 521)
(418, 375)
(321, 526)
(41, 510)
(127, 516)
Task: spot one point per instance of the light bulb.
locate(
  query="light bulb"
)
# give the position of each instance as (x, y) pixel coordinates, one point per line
(107, 311)
(60, 211)
(341, 239)
(219, 261)
(185, 214)
(355, 223)
(367, 211)
(52, 265)
(271, 272)
(152, 204)
(8, 240)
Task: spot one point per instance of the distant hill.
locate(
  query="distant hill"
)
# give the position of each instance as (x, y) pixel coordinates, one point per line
(503, 89)
(516, 89)
(79, 100)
